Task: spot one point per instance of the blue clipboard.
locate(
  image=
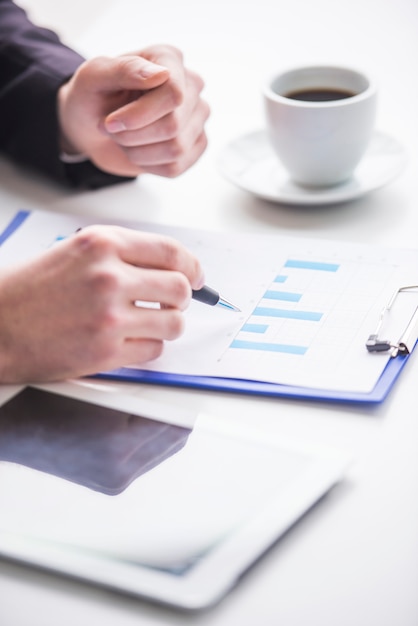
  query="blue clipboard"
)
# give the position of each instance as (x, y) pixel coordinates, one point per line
(235, 385)
(272, 390)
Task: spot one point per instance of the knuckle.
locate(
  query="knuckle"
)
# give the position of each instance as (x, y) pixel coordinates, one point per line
(146, 349)
(197, 80)
(205, 109)
(164, 49)
(171, 126)
(94, 241)
(153, 351)
(176, 52)
(155, 51)
(196, 268)
(179, 157)
(174, 324)
(174, 169)
(181, 288)
(202, 143)
(174, 149)
(106, 326)
(170, 251)
(176, 94)
(104, 283)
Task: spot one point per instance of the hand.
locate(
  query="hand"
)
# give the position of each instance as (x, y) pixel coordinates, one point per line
(135, 113)
(71, 311)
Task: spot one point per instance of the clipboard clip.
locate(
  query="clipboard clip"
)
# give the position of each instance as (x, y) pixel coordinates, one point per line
(409, 336)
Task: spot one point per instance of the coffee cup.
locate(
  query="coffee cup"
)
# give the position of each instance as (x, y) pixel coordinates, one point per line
(320, 120)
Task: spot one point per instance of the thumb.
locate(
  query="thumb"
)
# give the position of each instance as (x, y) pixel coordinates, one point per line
(126, 72)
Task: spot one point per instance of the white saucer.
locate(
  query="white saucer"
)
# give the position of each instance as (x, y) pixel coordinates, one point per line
(250, 163)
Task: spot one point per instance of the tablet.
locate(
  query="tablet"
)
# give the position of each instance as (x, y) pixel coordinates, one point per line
(172, 510)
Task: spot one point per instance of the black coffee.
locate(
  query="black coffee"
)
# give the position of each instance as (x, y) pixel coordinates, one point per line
(319, 95)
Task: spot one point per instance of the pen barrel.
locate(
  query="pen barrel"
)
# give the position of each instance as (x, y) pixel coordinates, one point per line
(206, 295)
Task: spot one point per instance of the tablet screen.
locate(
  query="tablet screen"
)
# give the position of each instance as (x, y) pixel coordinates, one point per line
(95, 446)
(165, 512)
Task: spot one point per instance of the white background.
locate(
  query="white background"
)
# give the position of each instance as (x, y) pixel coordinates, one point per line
(353, 561)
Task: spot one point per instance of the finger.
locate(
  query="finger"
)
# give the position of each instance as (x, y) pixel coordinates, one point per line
(131, 352)
(171, 289)
(192, 116)
(159, 159)
(159, 324)
(149, 107)
(141, 249)
(160, 252)
(124, 72)
(142, 350)
(146, 333)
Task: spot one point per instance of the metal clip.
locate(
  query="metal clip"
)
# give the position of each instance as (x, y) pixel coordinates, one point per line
(408, 337)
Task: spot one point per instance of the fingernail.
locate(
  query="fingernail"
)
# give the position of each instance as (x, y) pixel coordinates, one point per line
(114, 126)
(151, 69)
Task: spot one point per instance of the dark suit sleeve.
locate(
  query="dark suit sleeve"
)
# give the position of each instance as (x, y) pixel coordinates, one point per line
(33, 65)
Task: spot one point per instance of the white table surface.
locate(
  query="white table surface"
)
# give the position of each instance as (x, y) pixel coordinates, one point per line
(353, 560)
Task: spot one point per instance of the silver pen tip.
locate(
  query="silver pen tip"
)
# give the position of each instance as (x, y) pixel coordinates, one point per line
(228, 305)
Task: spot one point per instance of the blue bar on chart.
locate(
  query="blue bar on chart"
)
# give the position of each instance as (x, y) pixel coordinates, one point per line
(286, 296)
(254, 328)
(280, 279)
(268, 347)
(311, 316)
(312, 265)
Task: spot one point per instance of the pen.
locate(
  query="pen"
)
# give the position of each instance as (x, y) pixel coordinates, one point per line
(207, 295)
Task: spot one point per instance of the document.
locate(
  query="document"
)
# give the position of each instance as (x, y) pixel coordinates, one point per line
(307, 306)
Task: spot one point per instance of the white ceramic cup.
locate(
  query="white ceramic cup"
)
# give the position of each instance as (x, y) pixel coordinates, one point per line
(320, 143)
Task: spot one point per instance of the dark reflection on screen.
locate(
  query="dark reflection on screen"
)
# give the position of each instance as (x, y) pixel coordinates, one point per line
(98, 447)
